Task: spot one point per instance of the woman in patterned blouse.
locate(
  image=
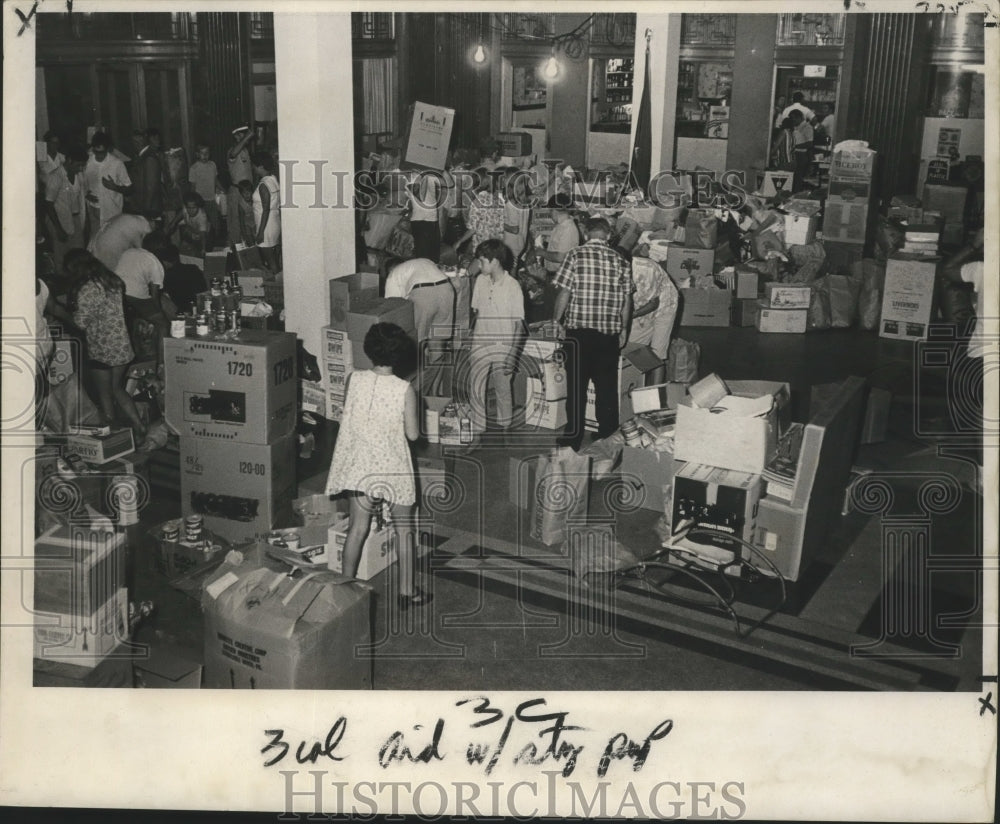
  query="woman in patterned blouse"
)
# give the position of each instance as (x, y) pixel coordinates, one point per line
(96, 301)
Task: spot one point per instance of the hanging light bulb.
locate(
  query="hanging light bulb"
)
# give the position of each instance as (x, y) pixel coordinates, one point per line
(479, 55)
(551, 68)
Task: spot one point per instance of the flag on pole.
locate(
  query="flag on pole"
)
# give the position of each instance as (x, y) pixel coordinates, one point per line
(642, 151)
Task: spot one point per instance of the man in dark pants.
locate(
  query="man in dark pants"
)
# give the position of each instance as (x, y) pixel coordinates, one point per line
(594, 305)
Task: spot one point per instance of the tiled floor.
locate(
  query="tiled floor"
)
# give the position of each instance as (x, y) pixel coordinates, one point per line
(508, 615)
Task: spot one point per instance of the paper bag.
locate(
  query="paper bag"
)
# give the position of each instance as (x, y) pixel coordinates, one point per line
(561, 490)
(682, 361)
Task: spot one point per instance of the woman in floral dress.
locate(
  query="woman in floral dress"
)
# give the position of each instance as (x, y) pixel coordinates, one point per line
(96, 301)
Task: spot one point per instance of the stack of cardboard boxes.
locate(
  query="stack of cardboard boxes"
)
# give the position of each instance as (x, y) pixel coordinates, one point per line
(233, 402)
(355, 307)
(701, 254)
(784, 308)
(849, 213)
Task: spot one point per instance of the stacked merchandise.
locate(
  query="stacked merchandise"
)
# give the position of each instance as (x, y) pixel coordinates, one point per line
(908, 297)
(725, 435)
(923, 237)
(338, 356)
(849, 211)
(692, 266)
(232, 399)
(784, 308)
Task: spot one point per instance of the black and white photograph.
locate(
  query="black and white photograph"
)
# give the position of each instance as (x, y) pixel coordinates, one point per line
(579, 410)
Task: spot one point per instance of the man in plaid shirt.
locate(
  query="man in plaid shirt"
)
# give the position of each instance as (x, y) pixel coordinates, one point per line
(594, 304)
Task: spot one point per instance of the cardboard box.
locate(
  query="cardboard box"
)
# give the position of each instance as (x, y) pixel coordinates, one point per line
(313, 397)
(266, 630)
(705, 307)
(747, 284)
(800, 230)
(176, 559)
(215, 264)
(514, 144)
(77, 569)
(908, 298)
(851, 189)
(362, 317)
(745, 312)
(539, 410)
(720, 504)
(856, 163)
(337, 347)
(656, 397)
(307, 544)
(682, 263)
(167, 668)
(846, 221)
(102, 449)
(773, 182)
(787, 295)
(349, 291)
(241, 489)
(786, 321)
(635, 363)
(251, 281)
(552, 380)
(651, 472)
(947, 199)
(336, 375)
(542, 341)
(334, 407)
(729, 441)
(83, 640)
(240, 391)
(378, 553)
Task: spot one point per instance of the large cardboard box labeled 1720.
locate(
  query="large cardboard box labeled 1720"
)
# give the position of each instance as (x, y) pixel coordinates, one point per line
(266, 630)
(732, 441)
(241, 489)
(241, 390)
(908, 298)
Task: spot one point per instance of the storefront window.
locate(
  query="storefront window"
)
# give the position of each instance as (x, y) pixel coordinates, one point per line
(810, 30)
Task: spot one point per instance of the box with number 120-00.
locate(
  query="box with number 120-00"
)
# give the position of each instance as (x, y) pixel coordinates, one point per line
(241, 390)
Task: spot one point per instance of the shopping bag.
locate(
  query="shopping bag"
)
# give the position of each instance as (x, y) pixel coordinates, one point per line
(562, 486)
(819, 307)
(843, 293)
(872, 277)
(682, 361)
(701, 229)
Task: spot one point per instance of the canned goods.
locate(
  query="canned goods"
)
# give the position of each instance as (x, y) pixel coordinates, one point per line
(216, 287)
(178, 327)
(292, 541)
(234, 320)
(202, 328)
(220, 321)
(630, 431)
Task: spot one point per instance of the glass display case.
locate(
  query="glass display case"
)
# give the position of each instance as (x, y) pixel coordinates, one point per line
(702, 86)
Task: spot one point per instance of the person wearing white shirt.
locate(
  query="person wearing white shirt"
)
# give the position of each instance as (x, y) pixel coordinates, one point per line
(64, 206)
(53, 157)
(498, 331)
(424, 189)
(106, 182)
(142, 273)
(797, 104)
(432, 294)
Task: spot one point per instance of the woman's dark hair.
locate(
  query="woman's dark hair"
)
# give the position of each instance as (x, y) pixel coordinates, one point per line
(494, 249)
(787, 123)
(90, 269)
(562, 201)
(387, 344)
(264, 160)
(195, 198)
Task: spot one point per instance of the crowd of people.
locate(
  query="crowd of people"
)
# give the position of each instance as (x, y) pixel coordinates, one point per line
(125, 239)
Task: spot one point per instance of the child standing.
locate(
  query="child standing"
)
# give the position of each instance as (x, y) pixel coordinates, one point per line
(497, 330)
(371, 459)
(204, 177)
